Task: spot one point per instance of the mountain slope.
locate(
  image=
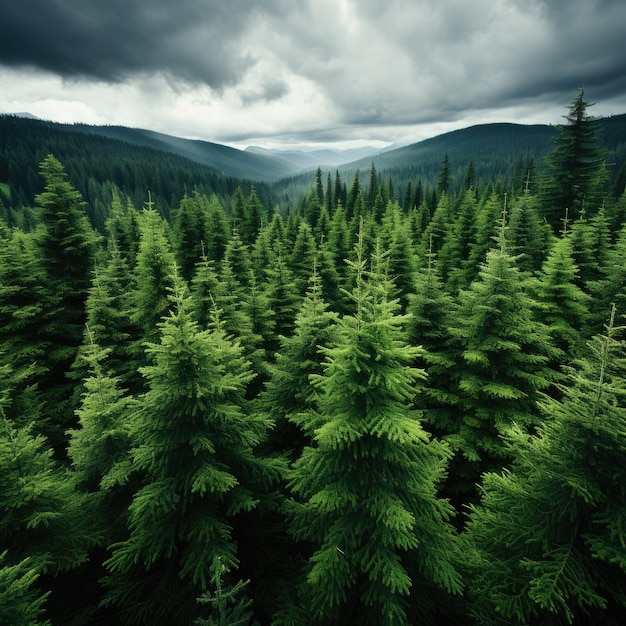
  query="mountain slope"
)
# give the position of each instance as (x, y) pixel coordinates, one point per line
(226, 160)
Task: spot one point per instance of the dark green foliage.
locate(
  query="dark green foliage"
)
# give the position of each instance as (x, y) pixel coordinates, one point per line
(574, 176)
(19, 603)
(22, 297)
(228, 607)
(548, 538)
(365, 489)
(66, 247)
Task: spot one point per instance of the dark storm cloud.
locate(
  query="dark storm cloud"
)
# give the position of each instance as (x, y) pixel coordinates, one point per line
(325, 68)
(109, 40)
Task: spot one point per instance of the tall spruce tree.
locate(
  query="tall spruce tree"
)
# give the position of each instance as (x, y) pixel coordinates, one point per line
(546, 543)
(501, 367)
(573, 178)
(66, 247)
(194, 446)
(365, 490)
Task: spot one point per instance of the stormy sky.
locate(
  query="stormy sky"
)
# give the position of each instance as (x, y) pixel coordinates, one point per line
(308, 72)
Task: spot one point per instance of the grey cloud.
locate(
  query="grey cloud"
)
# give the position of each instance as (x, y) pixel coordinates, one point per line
(109, 40)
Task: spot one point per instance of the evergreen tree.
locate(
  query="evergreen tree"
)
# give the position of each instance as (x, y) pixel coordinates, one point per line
(574, 167)
(228, 605)
(431, 310)
(502, 366)
(302, 258)
(100, 448)
(44, 518)
(195, 448)
(66, 247)
(153, 273)
(22, 298)
(289, 391)
(443, 176)
(547, 541)
(189, 232)
(528, 238)
(563, 306)
(365, 490)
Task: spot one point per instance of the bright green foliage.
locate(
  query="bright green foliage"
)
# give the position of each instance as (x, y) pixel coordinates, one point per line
(431, 309)
(402, 261)
(100, 448)
(153, 273)
(237, 259)
(527, 236)
(289, 392)
(339, 240)
(302, 258)
(488, 219)
(255, 216)
(575, 168)
(501, 366)
(19, 603)
(454, 255)
(194, 447)
(283, 299)
(110, 321)
(612, 288)
(228, 605)
(365, 491)
(123, 228)
(590, 249)
(546, 544)
(564, 307)
(434, 234)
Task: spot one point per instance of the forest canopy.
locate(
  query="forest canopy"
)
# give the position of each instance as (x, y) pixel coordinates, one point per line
(387, 401)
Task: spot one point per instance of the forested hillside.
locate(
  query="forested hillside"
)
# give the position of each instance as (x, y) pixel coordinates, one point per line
(99, 160)
(381, 404)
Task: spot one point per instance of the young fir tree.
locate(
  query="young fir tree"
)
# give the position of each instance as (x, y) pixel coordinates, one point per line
(365, 490)
(546, 543)
(43, 517)
(22, 297)
(527, 236)
(501, 367)
(228, 604)
(66, 246)
(100, 448)
(431, 310)
(152, 276)
(563, 306)
(194, 447)
(289, 391)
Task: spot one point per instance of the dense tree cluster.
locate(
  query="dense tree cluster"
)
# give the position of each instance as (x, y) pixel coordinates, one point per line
(360, 411)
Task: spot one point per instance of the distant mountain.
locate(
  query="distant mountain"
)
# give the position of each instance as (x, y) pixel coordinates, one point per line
(312, 159)
(494, 148)
(224, 159)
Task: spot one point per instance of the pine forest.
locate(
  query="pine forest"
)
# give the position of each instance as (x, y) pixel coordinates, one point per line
(367, 397)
